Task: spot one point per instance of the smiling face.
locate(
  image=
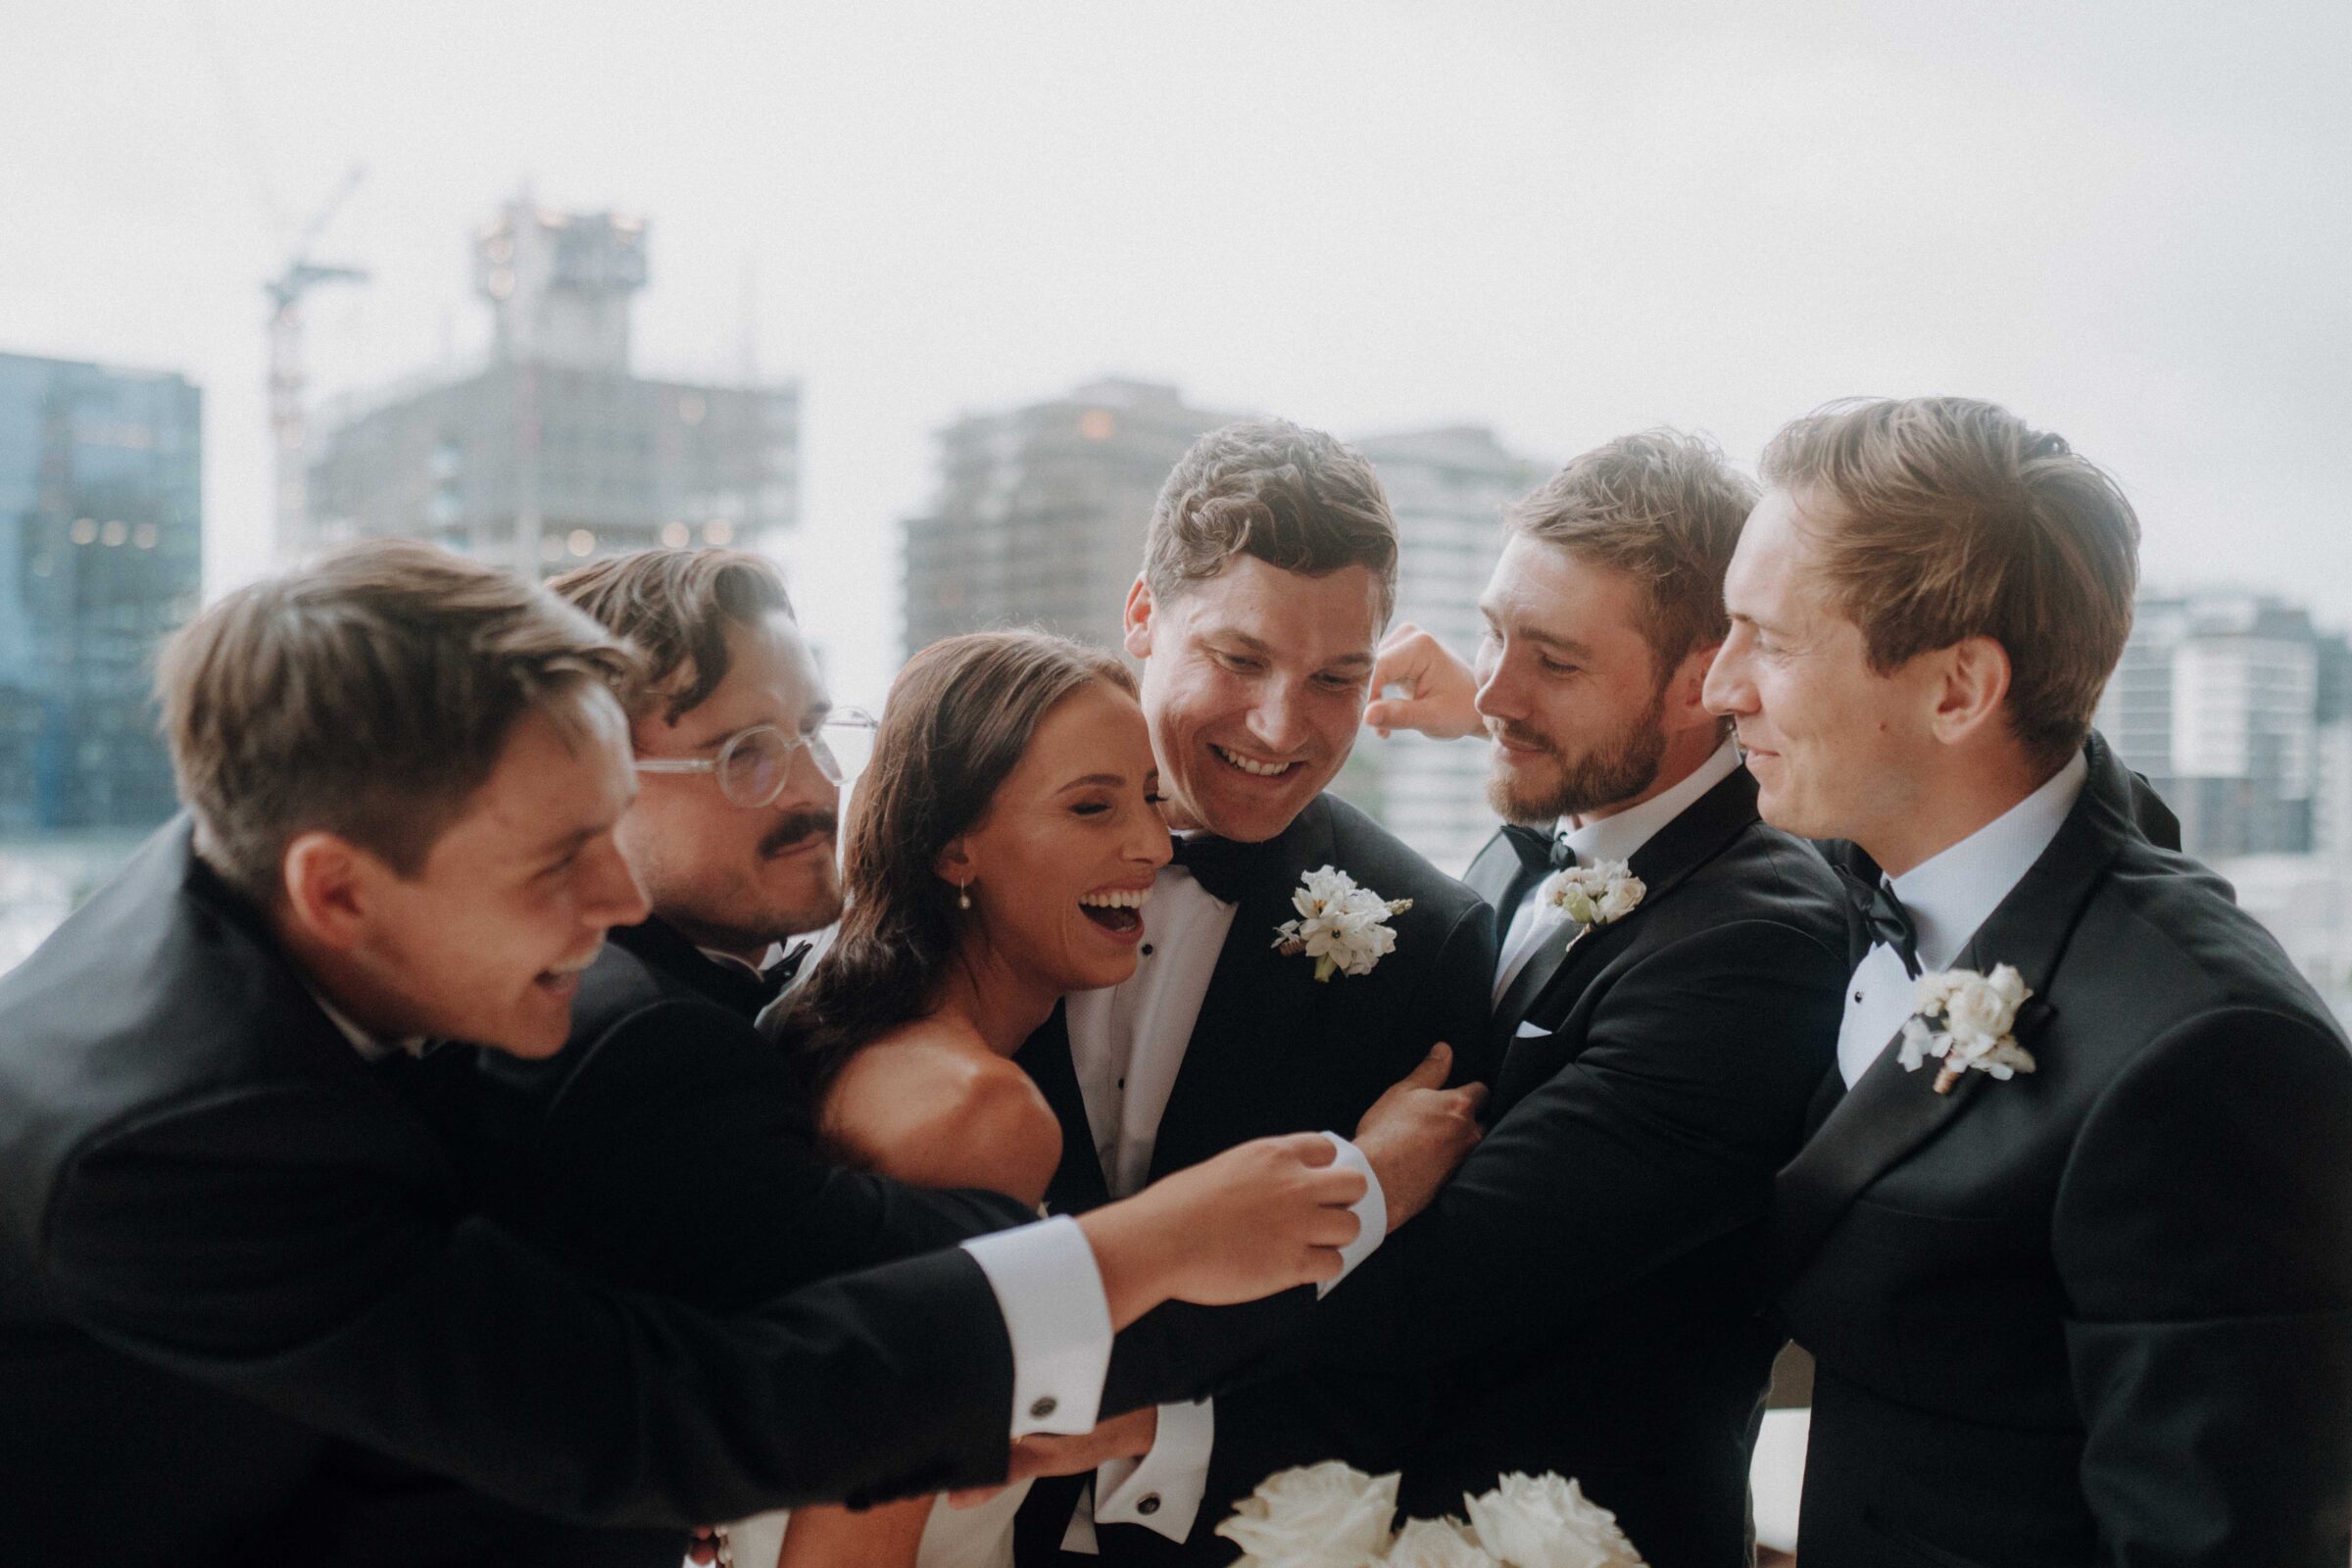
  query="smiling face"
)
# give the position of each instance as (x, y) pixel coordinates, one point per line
(730, 877)
(485, 942)
(1567, 683)
(1838, 750)
(1061, 867)
(1254, 682)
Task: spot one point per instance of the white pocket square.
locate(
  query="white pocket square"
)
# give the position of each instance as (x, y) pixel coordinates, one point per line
(1530, 1030)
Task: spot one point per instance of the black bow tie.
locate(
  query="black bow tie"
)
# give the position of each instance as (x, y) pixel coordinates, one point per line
(1222, 866)
(1539, 850)
(1884, 915)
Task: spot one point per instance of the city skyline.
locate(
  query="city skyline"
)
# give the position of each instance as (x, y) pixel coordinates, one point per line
(1562, 226)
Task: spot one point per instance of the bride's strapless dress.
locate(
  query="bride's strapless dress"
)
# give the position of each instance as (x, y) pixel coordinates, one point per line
(953, 1538)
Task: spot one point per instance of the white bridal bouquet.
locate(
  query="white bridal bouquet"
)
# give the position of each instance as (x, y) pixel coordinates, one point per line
(1331, 1515)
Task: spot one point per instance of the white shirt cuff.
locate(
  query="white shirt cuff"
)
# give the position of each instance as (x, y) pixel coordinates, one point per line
(1162, 1491)
(1371, 1212)
(1050, 1292)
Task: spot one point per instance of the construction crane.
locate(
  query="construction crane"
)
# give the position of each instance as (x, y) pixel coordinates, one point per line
(288, 379)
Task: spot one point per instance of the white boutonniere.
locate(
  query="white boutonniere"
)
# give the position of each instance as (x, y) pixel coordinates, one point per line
(1596, 895)
(1965, 1018)
(1343, 928)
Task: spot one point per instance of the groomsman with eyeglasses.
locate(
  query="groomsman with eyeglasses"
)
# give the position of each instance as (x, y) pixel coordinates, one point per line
(2072, 1242)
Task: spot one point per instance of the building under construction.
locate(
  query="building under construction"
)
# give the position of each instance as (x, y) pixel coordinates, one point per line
(553, 451)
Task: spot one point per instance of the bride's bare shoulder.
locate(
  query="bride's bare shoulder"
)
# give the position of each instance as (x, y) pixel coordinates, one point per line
(930, 1105)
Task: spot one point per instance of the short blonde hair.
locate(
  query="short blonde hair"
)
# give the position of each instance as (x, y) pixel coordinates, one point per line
(1954, 519)
(368, 695)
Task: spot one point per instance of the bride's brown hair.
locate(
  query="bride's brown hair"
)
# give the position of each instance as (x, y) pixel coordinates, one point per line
(957, 723)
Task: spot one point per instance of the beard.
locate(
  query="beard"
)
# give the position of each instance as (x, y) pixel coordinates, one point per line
(1616, 767)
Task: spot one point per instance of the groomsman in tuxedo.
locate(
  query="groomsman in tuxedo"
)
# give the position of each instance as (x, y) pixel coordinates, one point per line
(239, 1272)
(1583, 1296)
(2077, 1274)
(1269, 573)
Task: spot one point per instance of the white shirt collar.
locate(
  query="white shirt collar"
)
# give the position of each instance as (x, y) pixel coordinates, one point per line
(768, 960)
(370, 1048)
(1951, 894)
(1617, 837)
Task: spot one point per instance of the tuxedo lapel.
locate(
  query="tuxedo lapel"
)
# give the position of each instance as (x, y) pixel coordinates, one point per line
(1257, 999)
(1491, 876)
(1672, 854)
(1890, 1112)
(1078, 1182)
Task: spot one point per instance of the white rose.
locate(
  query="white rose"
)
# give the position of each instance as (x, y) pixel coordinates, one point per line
(1930, 990)
(1622, 899)
(1977, 1009)
(1919, 1043)
(1326, 1515)
(1437, 1544)
(1546, 1522)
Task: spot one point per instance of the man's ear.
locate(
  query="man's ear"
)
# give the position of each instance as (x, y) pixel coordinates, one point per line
(328, 883)
(1972, 685)
(1687, 691)
(1137, 619)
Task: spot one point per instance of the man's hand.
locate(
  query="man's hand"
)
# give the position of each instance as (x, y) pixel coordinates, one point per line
(1418, 1133)
(1440, 690)
(1122, 1437)
(1253, 1221)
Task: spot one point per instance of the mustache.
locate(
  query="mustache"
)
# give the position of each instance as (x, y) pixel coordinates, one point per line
(1529, 739)
(791, 829)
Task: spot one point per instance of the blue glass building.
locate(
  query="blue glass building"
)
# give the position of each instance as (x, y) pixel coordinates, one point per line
(100, 553)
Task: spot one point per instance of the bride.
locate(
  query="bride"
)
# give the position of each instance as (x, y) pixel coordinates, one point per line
(1002, 850)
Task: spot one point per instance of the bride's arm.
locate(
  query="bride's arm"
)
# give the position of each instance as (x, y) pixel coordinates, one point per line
(929, 1116)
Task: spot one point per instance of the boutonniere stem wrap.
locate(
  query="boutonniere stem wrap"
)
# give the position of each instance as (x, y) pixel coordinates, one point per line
(1596, 895)
(1964, 1019)
(1345, 928)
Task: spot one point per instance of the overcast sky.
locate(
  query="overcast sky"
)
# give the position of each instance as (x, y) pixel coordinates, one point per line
(2128, 221)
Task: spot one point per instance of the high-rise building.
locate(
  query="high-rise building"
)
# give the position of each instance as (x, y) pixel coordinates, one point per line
(554, 450)
(1447, 488)
(1041, 511)
(100, 550)
(2216, 699)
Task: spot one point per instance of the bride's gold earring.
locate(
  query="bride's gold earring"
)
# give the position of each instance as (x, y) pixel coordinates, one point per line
(963, 896)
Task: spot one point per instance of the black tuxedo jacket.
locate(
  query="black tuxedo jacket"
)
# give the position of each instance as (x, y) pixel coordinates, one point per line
(1584, 1293)
(237, 1264)
(2102, 1313)
(1274, 1051)
(667, 1147)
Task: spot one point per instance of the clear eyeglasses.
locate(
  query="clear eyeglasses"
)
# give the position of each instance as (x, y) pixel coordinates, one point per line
(754, 764)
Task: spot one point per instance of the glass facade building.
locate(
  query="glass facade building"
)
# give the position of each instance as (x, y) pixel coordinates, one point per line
(101, 546)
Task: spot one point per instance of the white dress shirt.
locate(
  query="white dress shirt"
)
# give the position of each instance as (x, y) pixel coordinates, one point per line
(1608, 838)
(1949, 895)
(1127, 1044)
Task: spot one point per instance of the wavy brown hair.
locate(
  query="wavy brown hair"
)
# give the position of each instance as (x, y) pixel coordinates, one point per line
(957, 721)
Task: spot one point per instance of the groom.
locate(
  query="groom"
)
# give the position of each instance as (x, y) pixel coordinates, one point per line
(1269, 571)
(2094, 1304)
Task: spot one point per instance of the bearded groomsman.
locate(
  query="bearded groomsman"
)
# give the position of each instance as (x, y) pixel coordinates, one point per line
(2077, 1272)
(1583, 1297)
(1269, 573)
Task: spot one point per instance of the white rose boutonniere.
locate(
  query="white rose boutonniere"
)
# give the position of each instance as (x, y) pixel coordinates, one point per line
(1326, 1515)
(1345, 928)
(1965, 1018)
(1596, 895)
(1546, 1522)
